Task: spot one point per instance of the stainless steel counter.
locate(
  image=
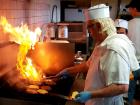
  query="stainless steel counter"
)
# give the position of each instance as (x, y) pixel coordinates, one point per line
(9, 101)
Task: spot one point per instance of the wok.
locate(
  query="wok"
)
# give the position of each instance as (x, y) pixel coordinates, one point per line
(52, 56)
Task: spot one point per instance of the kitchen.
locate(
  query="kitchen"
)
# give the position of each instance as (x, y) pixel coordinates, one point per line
(62, 25)
(36, 13)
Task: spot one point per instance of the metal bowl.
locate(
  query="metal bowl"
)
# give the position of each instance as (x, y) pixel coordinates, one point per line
(52, 57)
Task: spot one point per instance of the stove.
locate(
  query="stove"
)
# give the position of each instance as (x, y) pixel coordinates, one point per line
(10, 96)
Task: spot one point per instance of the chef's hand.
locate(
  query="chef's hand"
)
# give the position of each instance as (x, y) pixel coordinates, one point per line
(63, 74)
(82, 97)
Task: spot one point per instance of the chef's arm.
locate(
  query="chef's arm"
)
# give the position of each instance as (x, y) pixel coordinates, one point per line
(83, 67)
(111, 90)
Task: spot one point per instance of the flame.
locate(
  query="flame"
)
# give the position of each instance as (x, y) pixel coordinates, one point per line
(27, 39)
(30, 71)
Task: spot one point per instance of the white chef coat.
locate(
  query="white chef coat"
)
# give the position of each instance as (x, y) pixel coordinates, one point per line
(110, 63)
(134, 34)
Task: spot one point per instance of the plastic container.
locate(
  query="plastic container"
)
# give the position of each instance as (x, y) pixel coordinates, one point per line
(63, 32)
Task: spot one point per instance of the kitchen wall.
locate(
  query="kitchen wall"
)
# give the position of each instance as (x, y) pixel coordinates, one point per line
(33, 12)
(38, 12)
(75, 15)
(113, 4)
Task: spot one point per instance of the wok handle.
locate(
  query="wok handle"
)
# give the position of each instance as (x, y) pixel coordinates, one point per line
(61, 96)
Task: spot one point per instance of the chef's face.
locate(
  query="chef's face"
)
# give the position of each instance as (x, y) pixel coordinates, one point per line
(94, 29)
(121, 30)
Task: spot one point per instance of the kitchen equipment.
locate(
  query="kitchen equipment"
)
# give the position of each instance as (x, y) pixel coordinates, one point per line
(53, 56)
(61, 96)
(60, 52)
(63, 31)
(78, 57)
(50, 31)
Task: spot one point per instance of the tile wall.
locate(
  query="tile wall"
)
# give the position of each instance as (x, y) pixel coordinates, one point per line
(35, 13)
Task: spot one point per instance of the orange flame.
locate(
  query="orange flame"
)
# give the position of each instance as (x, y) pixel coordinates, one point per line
(29, 71)
(27, 39)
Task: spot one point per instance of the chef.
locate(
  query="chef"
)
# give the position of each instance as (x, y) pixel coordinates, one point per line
(134, 35)
(109, 65)
(122, 26)
(134, 25)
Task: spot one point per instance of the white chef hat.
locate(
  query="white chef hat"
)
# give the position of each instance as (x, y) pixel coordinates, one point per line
(121, 23)
(99, 11)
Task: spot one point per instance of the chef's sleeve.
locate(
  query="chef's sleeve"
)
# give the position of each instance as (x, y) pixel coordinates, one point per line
(114, 68)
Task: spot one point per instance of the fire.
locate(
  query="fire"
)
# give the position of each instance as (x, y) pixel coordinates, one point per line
(30, 71)
(27, 39)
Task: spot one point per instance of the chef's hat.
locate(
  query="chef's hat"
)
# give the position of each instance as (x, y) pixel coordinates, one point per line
(121, 23)
(99, 11)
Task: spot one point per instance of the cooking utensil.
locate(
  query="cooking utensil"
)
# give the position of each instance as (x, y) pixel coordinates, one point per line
(52, 77)
(60, 96)
(56, 78)
(52, 57)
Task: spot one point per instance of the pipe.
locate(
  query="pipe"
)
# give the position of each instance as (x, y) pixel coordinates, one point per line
(54, 7)
(55, 23)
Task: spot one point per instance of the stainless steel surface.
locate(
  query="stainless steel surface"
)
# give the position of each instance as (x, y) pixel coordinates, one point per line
(10, 101)
(52, 77)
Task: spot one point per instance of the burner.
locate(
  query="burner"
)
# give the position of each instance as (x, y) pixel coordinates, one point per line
(12, 95)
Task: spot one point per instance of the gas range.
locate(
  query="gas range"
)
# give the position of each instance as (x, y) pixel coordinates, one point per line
(10, 96)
